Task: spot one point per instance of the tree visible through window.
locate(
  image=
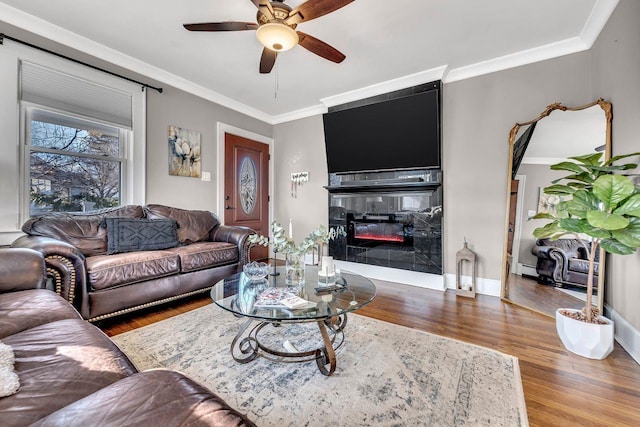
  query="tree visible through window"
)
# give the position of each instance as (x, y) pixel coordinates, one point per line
(75, 165)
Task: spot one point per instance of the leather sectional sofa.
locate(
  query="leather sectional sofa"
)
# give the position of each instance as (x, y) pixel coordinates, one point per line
(114, 261)
(72, 374)
(563, 262)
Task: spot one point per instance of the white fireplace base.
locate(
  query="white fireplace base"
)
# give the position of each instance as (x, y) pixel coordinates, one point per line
(407, 277)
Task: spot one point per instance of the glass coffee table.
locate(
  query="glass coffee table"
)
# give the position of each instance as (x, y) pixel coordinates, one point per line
(326, 307)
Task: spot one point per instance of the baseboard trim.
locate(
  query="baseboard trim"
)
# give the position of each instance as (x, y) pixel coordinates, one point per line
(413, 278)
(484, 286)
(524, 269)
(490, 287)
(626, 335)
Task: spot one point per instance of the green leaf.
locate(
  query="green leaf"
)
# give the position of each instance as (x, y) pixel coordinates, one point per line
(630, 207)
(630, 235)
(615, 247)
(606, 220)
(581, 202)
(595, 232)
(582, 177)
(542, 215)
(578, 185)
(612, 189)
(559, 189)
(589, 159)
(550, 230)
(567, 166)
(571, 224)
(623, 156)
(611, 169)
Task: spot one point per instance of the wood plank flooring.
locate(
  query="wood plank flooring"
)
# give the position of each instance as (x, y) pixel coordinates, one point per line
(545, 299)
(561, 389)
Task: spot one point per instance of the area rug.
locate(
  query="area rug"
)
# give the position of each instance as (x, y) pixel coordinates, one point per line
(387, 375)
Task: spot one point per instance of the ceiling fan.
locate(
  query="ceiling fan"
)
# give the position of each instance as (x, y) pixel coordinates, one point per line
(276, 29)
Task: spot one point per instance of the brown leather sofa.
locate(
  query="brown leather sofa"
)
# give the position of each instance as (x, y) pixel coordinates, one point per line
(72, 374)
(102, 276)
(563, 262)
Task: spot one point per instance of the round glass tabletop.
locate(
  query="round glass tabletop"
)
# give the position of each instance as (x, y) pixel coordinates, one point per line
(240, 295)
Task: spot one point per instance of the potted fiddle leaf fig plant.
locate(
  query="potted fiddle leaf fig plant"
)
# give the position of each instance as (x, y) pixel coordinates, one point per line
(600, 207)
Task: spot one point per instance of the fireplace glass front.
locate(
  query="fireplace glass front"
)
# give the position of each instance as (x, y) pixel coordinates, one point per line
(397, 229)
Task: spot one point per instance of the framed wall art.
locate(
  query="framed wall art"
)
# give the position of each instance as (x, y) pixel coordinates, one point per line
(184, 152)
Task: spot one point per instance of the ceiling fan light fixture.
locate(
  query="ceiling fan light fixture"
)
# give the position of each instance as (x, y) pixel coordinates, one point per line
(277, 37)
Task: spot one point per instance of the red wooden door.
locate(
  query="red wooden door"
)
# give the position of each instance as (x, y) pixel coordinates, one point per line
(246, 187)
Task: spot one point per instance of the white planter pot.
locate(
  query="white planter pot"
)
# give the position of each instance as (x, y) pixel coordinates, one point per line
(590, 340)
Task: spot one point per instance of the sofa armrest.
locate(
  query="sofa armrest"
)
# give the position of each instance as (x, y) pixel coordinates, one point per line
(237, 235)
(21, 269)
(65, 265)
(558, 256)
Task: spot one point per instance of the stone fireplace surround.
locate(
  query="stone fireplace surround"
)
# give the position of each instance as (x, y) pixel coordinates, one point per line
(393, 221)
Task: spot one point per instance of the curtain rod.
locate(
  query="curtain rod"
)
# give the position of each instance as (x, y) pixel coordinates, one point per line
(59, 55)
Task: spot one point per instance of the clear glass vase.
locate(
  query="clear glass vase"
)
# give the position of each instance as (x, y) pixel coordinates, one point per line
(294, 269)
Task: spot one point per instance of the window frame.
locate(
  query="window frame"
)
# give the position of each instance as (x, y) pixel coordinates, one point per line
(125, 138)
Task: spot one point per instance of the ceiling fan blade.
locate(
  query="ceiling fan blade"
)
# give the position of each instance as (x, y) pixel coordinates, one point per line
(264, 6)
(267, 61)
(313, 9)
(320, 48)
(222, 26)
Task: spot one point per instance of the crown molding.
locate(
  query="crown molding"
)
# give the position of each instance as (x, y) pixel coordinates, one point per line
(313, 110)
(541, 53)
(598, 18)
(600, 14)
(385, 87)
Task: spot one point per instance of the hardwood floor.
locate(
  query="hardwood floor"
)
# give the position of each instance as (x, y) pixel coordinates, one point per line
(561, 389)
(546, 299)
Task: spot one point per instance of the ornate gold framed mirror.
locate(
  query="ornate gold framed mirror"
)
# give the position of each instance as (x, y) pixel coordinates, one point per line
(557, 133)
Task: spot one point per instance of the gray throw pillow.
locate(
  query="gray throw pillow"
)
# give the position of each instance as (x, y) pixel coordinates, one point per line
(140, 234)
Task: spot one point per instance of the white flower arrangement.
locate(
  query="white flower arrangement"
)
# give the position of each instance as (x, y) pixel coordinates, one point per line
(285, 244)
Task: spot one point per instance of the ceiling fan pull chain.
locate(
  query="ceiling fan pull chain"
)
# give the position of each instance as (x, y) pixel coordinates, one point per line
(276, 86)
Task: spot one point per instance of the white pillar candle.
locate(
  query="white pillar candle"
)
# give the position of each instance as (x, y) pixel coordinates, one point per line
(290, 228)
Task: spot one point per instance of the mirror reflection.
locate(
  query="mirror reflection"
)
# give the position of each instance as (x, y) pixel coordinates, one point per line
(544, 275)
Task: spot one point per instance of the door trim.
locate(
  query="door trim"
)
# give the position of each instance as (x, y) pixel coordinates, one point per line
(224, 128)
(517, 233)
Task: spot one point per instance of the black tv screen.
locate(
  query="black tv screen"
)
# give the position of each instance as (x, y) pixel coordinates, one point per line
(401, 133)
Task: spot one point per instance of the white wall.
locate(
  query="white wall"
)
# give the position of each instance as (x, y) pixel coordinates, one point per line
(178, 108)
(300, 147)
(616, 77)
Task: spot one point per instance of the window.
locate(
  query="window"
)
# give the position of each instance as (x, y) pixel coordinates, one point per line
(74, 164)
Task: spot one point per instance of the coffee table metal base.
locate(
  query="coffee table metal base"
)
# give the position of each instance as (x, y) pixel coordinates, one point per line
(248, 348)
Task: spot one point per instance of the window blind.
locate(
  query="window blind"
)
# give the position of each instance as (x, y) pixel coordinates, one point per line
(55, 89)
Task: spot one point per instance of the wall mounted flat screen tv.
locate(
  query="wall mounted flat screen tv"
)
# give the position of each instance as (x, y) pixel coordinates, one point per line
(401, 133)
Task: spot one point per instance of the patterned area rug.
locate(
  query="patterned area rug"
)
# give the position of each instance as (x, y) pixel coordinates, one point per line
(387, 375)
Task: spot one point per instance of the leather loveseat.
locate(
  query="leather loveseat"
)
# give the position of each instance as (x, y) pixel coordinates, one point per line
(118, 260)
(563, 262)
(72, 374)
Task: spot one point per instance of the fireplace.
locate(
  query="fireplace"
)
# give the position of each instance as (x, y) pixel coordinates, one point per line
(392, 219)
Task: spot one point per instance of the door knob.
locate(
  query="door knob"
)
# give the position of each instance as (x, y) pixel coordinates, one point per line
(228, 207)
(227, 197)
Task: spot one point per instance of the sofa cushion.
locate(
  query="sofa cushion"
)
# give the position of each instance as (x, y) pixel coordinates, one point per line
(193, 226)
(581, 266)
(106, 271)
(26, 309)
(140, 234)
(198, 256)
(151, 398)
(59, 363)
(82, 230)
